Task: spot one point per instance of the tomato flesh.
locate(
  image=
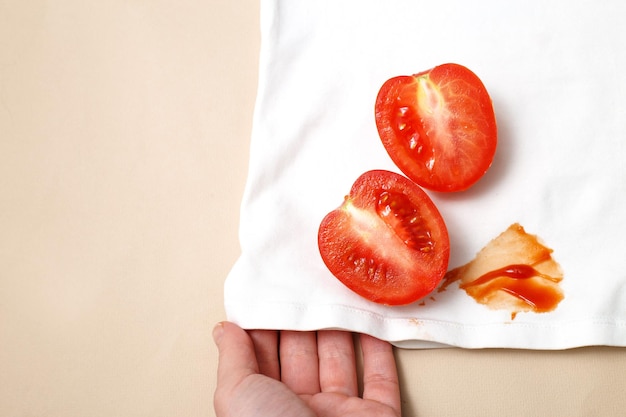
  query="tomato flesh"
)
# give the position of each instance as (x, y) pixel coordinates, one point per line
(438, 126)
(387, 241)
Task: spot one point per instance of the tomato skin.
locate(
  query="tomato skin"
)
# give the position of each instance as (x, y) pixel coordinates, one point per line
(438, 126)
(387, 241)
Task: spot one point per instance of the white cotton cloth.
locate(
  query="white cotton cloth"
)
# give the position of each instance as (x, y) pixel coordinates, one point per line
(556, 72)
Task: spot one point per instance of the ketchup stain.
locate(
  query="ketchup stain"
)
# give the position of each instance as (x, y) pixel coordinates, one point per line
(516, 281)
(521, 275)
(535, 290)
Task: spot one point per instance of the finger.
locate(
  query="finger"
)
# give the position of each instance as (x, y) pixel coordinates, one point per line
(299, 368)
(237, 360)
(380, 376)
(266, 349)
(337, 364)
(236, 352)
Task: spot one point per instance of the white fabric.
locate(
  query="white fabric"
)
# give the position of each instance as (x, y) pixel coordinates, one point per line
(556, 72)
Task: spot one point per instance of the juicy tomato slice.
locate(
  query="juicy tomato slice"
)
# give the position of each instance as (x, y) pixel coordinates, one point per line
(438, 126)
(387, 241)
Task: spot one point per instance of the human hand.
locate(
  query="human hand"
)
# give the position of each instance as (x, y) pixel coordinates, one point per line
(265, 373)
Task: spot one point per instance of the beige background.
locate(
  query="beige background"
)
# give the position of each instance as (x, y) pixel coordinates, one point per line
(124, 132)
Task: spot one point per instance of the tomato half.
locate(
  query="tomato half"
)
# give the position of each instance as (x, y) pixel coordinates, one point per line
(438, 126)
(387, 241)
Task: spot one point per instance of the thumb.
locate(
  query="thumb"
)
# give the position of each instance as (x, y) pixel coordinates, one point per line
(236, 362)
(237, 358)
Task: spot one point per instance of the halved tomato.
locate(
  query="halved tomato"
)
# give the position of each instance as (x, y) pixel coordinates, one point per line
(387, 241)
(438, 126)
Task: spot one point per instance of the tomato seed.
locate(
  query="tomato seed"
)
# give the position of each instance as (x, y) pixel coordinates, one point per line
(398, 212)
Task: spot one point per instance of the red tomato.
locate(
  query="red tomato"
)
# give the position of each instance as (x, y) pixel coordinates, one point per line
(387, 241)
(438, 126)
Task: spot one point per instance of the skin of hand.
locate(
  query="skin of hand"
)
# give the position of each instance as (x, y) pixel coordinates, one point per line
(265, 373)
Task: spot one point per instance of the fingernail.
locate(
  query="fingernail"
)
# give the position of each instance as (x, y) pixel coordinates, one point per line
(218, 332)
